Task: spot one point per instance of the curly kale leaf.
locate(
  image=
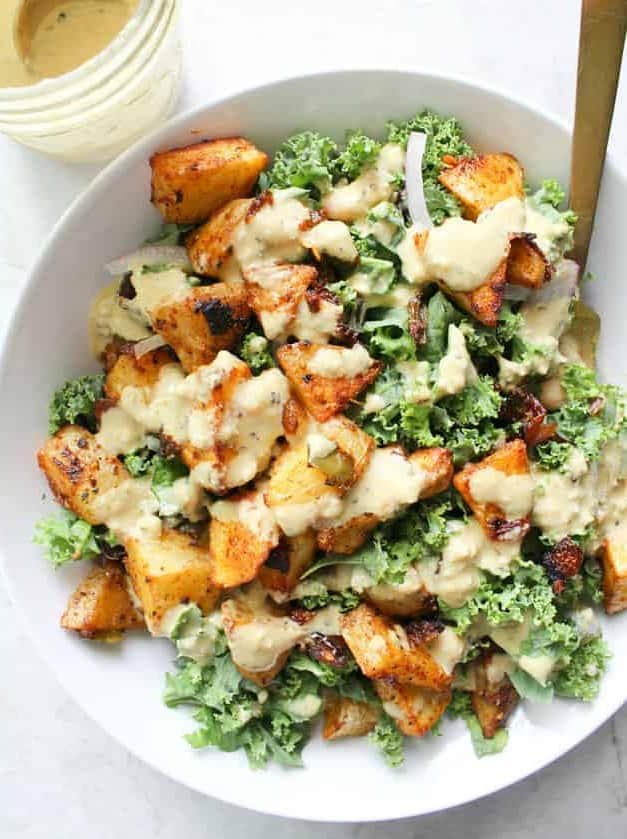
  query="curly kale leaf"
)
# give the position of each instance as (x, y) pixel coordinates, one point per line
(305, 160)
(255, 351)
(359, 151)
(65, 538)
(581, 678)
(444, 137)
(75, 403)
(389, 740)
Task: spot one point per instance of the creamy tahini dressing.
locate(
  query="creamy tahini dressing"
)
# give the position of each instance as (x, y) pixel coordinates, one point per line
(455, 576)
(107, 318)
(332, 238)
(297, 518)
(564, 503)
(455, 369)
(130, 510)
(510, 638)
(390, 482)
(340, 362)
(511, 493)
(251, 512)
(350, 202)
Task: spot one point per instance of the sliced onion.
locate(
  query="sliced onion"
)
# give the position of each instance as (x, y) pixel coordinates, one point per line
(416, 203)
(147, 345)
(150, 255)
(565, 283)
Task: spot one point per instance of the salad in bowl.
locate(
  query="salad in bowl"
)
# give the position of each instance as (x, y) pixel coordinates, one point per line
(348, 450)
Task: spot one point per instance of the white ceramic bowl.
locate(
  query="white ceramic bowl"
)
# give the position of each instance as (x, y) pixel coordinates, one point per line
(121, 687)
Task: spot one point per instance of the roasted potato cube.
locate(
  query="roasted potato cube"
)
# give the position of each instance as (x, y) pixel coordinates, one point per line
(209, 247)
(102, 604)
(414, 709)
(493, 696)
(236, 613)
(323, 396)
(299, 493)
(485, 302)
(502, 524)
(614, 564)
(362, 510)
(526, 264)
(404, 600)
(168, 571)
(129, 370)
(287, 562)
(242, 533)
(79, 470)
(189, 183)
(345, 717)
(480, 182)
(382, 648)
(275, 291)
(203, 322)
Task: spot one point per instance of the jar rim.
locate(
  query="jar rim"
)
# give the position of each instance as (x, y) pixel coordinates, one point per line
(80, 79)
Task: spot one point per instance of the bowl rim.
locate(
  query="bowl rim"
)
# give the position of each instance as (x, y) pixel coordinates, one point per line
(144, 146)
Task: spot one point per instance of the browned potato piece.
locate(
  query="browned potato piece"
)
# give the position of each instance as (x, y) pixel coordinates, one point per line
(347, 536)
(352, 442)
(102, 604)
(323, 397)
(209, 247)
(237, 613)
(510, 459)
(480, 182)
(237, 551)
(287, 562)
(414, 709)
(395, 602)
(383, 649)
(130, 371)
(485, 302)
(203, 322)
(614, 563)
(493, 706)
(168, 571)
(526, 264)
(79, 470)
(189, 183)
(283, 294)
(345, 717)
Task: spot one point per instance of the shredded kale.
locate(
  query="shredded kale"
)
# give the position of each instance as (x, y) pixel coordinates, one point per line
(444, 137)
(65, 538)
(345, 600)
(305, 160)
(387, 335)
(163, 472)
(581, 678)
(389, 740)
(75, 403)
(547, 201)
(553, 455)
(255, 351)
(270, 724)
(359, 151)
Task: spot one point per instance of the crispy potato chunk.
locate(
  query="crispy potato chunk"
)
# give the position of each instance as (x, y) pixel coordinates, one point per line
(276, 291)
(526, 264)
(129, 370)
(480, 182)
(203, 322)
(210, 246)
(236, 613)
(345, 717)
(382, 648)
(189, 183)
(102, 604)
(287, 562)
(323, 396)
(168, 571)
(79, 470)
(414, 709)
(510, 459)
(494, 697)
(485, 302)
(242, 533)
(350, 533)
(614, 563)
(400, 600)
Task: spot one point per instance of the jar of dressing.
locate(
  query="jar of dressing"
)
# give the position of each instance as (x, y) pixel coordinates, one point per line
(83, 79)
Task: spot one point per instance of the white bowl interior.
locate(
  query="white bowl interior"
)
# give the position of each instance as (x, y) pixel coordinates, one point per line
(120, 687)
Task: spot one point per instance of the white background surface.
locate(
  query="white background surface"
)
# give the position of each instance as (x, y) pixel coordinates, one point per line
(63, 777)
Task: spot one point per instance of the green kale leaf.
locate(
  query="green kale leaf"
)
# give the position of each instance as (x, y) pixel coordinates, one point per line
(255, 351)
(65, 538)
(75, 403)
(305, 160)
(581, 678)
(359, 151)
(170, 234)
(389, 740)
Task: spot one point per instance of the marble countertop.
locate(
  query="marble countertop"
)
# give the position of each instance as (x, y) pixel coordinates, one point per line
(60, 775)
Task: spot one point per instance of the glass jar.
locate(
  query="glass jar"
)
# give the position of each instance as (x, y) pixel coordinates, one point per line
(95, 111)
